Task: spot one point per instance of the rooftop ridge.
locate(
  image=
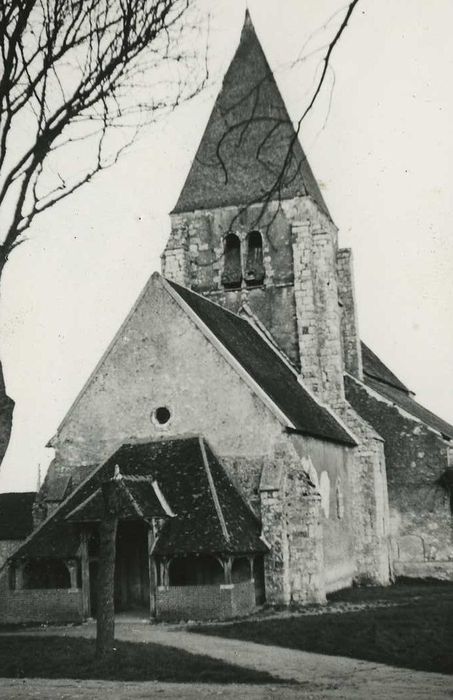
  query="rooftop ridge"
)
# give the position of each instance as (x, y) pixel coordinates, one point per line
(212, 488)
(260, 328)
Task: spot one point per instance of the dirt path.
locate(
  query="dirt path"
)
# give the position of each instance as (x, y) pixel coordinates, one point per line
(319, 676)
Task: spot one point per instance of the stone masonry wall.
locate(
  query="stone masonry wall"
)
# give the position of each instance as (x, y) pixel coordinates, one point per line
(318, 311)
(421, 520)
(276, 563)
(290, 511)
(175, 258)
(298, 300)
(305, 540)
(331, 468)
(349, 326)
(194, 257)
(306, 308)
(370, 503)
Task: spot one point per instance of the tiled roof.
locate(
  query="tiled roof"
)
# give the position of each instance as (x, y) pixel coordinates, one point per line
(58, 488)
(203, 511)
(216, 518)
(407, 402)
(266, 367)
(16, 520)
(382, 380)
(247, 142)
(137, 499)
(374, 367)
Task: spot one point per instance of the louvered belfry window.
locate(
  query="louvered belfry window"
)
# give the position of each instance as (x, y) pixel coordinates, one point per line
(232, 268)
(254, 269)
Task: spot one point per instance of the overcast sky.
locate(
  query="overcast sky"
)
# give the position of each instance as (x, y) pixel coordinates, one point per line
(381, 146)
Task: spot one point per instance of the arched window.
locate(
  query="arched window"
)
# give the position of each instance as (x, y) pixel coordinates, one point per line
(340, 500)
(254, 269)
(324, 490)
(232, 269)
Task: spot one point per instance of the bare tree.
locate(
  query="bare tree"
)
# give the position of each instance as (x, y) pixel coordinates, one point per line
(74, 73)
(74, 76)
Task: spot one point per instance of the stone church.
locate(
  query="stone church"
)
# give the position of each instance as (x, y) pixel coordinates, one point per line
(261, 451)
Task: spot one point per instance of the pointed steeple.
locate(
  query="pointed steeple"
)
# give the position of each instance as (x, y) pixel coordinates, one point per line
(249, 144)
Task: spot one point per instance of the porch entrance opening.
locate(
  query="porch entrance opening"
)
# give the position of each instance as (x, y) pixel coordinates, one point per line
(132, 568)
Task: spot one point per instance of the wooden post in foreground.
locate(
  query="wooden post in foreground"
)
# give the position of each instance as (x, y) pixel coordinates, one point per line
(105, 623)
(85, 571)
(152, 572)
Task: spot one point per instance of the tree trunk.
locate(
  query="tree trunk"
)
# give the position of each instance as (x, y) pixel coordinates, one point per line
(105, 623)
(6, 403)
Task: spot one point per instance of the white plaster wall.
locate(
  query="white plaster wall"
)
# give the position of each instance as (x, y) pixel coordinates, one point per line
(160, 358)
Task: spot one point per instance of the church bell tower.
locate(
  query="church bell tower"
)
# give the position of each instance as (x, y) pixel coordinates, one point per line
(251, 225)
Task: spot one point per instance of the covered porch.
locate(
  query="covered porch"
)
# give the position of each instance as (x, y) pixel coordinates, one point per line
(187, 544)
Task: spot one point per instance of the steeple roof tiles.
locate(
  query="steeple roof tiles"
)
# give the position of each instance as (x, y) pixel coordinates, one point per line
(249, 151)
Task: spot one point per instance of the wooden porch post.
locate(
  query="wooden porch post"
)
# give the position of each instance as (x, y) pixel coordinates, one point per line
(71, 565)
(166, 572)
(85, 567)
(227, 569)
(19, 575)
(152, 571)
(252, 567)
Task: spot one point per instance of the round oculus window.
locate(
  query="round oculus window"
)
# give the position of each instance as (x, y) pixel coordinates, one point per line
(162, 415)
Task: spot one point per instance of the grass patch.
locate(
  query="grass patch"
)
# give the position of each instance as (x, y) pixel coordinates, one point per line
(405, 591)
(69, 657)
(416, 634)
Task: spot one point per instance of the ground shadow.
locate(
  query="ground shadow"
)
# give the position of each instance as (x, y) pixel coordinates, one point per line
(415, 630)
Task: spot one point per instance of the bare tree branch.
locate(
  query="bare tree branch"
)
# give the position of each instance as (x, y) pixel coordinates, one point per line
(286, 174)
(69, 66)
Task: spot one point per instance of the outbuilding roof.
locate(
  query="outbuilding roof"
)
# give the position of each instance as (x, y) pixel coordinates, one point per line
(16, 518)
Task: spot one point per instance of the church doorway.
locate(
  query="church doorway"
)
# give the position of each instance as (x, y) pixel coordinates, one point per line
(131, 568)
(132, 589)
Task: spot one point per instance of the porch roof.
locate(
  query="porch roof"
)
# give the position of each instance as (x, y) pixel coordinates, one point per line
(179, 481)
(136, 499)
